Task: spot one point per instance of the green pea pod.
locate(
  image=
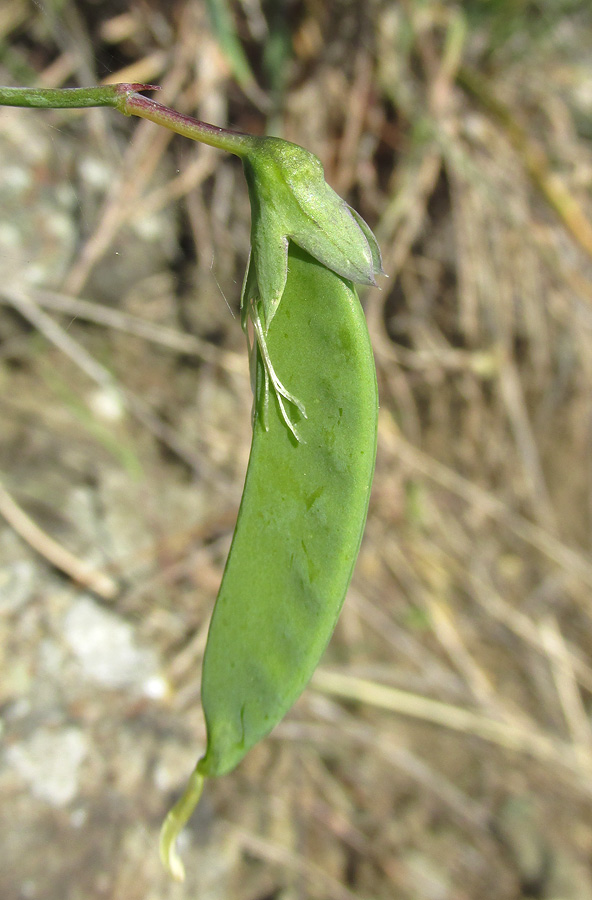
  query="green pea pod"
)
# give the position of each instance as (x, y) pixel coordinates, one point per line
(301, 517)
(314, 436)
(299, 525)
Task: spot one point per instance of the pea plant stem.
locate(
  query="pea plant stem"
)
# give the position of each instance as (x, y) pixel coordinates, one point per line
(134, 104)
(69, 98)
(127, 99)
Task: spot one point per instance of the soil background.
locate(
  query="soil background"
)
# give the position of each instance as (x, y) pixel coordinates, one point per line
(443, 750)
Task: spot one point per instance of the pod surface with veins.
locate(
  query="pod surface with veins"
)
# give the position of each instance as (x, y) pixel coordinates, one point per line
(301, 517)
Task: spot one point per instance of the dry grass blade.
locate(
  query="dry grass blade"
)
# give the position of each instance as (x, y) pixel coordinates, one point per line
(188, 180)
(450, 638)
(174, 340)
(143, 71)
(522, 625)
(513, 395)
(529, 741)
(76, 569)
(321, 884)
(145, 149)
(571, 560)
(25, 305)
(572, 704)
(535, 161)
(346, 730)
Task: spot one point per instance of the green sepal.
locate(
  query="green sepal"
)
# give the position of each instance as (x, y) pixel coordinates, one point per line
(291, 201)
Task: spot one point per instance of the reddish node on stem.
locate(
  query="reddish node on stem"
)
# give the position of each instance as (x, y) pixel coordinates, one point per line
(135, 87)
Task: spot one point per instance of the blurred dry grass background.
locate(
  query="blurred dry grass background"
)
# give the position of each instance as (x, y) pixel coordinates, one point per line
(444, 748)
